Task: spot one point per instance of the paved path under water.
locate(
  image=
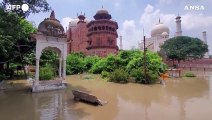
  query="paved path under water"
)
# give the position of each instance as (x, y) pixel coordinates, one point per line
(179, 99)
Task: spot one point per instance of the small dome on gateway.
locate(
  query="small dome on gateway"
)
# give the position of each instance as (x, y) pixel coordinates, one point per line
(51, 26)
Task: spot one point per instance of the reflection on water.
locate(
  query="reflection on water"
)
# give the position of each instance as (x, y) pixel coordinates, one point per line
(180, 99)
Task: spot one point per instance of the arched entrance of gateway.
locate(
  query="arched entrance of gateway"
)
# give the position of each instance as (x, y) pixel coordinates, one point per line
(51, 60)
(50, 36)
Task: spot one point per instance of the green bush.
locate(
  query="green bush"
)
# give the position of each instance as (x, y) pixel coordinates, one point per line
(3, 77)
(138, 74)
(153, 62)
(46, 73)
(130, 62)
(90, 61)
(189, 74)
(75, 64)
(98, 67)
(119, 75)
(105, 74)
(152, 77)
(108, 64)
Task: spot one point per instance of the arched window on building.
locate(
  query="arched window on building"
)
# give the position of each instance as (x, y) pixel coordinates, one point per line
(98, 41)
(99, 28)
(109, 41)
(95, 28)
(89, 41)
(109, 28)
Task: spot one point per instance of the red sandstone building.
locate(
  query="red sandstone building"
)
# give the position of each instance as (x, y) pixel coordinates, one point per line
(97, 37)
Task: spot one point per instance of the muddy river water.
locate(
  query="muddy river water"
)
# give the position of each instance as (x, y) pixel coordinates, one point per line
(179, 99)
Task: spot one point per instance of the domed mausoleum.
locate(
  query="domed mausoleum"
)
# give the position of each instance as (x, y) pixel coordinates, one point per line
(159, 34)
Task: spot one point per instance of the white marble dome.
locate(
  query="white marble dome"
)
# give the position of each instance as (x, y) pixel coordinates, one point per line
(159, 29)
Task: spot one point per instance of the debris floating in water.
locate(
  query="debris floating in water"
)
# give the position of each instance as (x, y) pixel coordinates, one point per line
(83, 96)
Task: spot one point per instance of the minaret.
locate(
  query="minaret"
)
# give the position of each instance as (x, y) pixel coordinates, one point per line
(204, 36)
(178, 26)
(121, 45)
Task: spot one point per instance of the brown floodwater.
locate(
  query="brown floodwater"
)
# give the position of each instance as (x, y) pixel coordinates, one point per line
(179, 99)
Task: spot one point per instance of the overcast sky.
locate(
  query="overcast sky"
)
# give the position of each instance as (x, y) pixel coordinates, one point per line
(135, 15)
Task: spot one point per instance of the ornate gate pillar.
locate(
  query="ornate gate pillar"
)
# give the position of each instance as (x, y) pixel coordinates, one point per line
(64, 69)
(60, 67)
(37, 71)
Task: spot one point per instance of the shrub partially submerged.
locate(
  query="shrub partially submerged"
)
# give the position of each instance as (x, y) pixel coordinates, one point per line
(140, 77)
(119, 75)
(125, 63)
(105, 74)
(189, 74)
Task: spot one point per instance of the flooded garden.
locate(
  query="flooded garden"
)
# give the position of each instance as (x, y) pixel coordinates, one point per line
(179, 99)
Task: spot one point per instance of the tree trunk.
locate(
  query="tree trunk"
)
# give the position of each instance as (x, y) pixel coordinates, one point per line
(1, 67)
(22, 64)
(8, 65)
(173, 63)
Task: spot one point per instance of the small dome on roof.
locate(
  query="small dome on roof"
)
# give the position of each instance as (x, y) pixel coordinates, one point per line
(73, 22)
(164, 34)
(102, 14)
(102, 11)
(51, 26)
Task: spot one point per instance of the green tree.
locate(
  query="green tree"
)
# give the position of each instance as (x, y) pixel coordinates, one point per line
(184, 48)
(89, 61)
(75, 63)
(35, 6)
(14, 38)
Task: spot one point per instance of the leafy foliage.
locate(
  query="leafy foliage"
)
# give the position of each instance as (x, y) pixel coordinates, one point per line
(14, 38)
(105, 74)
(99, 66)
(75, 64)
(126, 62)
(119, 75)
(154, 62)
(14, 33)
(189, 74)
(89, 62)
(49, 57)
(46, 73)
(138, 74)
(183, 48)
(150, 77)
